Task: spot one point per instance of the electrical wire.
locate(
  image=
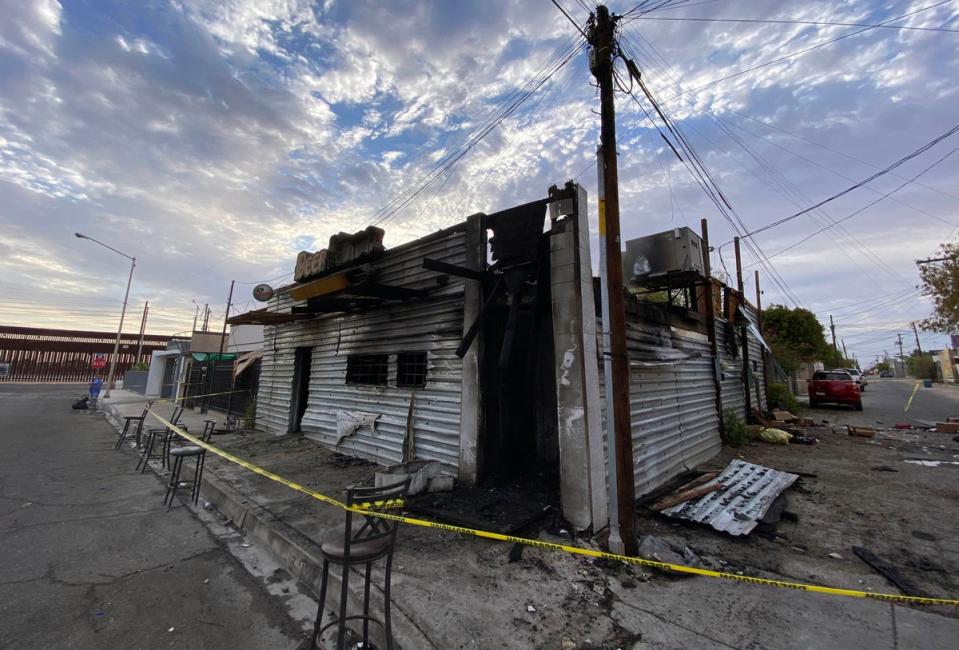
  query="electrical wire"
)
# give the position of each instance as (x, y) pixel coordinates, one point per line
(806, 50)
(865, 207)
(855, 186)
(447, 162)
(794, 22)
(780, 183)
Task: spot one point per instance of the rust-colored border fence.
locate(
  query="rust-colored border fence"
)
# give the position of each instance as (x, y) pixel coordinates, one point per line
(51, 355)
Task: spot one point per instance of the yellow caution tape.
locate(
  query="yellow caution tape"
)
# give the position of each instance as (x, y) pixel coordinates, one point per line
(909, 401)
(574, 550)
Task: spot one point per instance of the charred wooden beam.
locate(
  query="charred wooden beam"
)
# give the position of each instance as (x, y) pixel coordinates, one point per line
(452, 269)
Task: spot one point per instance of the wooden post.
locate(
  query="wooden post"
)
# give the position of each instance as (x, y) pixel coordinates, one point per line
(711, 322)
(744, 337)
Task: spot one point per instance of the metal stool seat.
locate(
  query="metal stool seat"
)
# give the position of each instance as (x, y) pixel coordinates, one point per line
(191, 450)
(369, 551)
(362, 544)
(178, 454)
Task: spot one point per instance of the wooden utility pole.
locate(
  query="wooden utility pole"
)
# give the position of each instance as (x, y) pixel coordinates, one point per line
(744, 336)
(711, 321)
(601, 65)
(845, 355)
(901, 357)
(832, 327)
(143, 326)
(759, 318)
(916, 332)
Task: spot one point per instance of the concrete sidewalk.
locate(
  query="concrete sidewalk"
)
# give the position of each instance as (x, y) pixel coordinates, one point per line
(456, 592)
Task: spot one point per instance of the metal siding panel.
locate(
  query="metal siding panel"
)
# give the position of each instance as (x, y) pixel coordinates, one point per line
(672, 407)
(434, 325)
(732, 373)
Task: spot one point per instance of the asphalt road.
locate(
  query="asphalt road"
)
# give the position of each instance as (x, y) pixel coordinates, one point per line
(91, 559)
(884, 402)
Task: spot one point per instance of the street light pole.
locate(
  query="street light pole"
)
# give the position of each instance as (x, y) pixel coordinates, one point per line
(123, 313)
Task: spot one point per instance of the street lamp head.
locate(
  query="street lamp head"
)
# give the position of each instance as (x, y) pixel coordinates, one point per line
(80, 235)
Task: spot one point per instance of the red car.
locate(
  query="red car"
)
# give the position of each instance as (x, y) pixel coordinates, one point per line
(834, 387)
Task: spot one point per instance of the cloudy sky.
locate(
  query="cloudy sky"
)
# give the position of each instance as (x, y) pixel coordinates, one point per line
(215, 140)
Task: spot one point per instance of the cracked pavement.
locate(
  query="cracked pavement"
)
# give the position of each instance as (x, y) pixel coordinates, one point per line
(92, 559)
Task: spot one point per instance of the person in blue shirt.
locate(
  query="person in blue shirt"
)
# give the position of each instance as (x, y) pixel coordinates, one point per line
(95, 387)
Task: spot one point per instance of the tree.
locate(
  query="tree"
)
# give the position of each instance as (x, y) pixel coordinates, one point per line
(883, 366)
(940, 281)
(921, 366)
(797, 337)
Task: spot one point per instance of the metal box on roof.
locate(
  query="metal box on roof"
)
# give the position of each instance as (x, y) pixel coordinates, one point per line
(674, 257)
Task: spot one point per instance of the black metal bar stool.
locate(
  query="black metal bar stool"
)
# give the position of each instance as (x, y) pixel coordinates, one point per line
(162, 435)
(177, 455)
(373, 540)
(128, 422)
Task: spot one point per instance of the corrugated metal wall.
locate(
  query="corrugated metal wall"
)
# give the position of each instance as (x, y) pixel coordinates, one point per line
(433, 325)
(731, 367)
(757, 385)
(675, 425)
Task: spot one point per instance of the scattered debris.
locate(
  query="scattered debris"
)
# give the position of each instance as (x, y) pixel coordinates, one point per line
(171, 629)
(887, 569)
(785, 416)
(530, 609)
(883, 468)
(245, 545)
(206, 581)
(903, 426)
(862, 432)
(750, 491)
(659, 550)
(931, 463)
(692, 490)
(835, 556)
(797, 439)
(947, 427)
(921, 534)
(424, 475)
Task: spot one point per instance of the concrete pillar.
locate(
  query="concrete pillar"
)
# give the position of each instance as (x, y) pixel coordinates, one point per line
(470, 405)
(581, 452)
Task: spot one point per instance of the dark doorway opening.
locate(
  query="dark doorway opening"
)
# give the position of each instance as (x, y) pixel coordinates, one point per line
(519, 443)
(302, 361)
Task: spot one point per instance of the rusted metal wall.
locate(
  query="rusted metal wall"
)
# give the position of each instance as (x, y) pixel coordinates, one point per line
(675, 425)
(52, 355)
(433, 325)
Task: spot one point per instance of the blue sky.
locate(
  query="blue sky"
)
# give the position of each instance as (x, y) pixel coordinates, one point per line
(214, 140)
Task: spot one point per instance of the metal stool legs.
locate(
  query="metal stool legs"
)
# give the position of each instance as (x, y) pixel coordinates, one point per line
(174, 484)
(319, 628)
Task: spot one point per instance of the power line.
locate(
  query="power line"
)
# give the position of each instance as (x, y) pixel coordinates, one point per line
(781, 184)
(851, 188)
(796, 22)
(447, 162)
(570, 18)
(865, 207)
(805, 50)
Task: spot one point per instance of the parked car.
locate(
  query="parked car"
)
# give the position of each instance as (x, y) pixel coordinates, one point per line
(857, 377)
(885, 373)
(834, 387)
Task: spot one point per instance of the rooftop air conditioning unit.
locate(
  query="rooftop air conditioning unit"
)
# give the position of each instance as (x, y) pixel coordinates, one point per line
(664, 259)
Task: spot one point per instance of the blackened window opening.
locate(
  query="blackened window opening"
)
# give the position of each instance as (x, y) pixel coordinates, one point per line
(369, 369)
(411, 369)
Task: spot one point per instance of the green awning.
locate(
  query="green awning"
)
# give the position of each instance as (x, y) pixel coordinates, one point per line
(213, 356)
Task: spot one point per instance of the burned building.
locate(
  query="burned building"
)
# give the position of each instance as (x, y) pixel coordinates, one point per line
(478, 346)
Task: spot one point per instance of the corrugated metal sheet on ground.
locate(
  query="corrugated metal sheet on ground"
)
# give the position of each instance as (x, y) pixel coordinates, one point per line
(750, 490)
(675, 425)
